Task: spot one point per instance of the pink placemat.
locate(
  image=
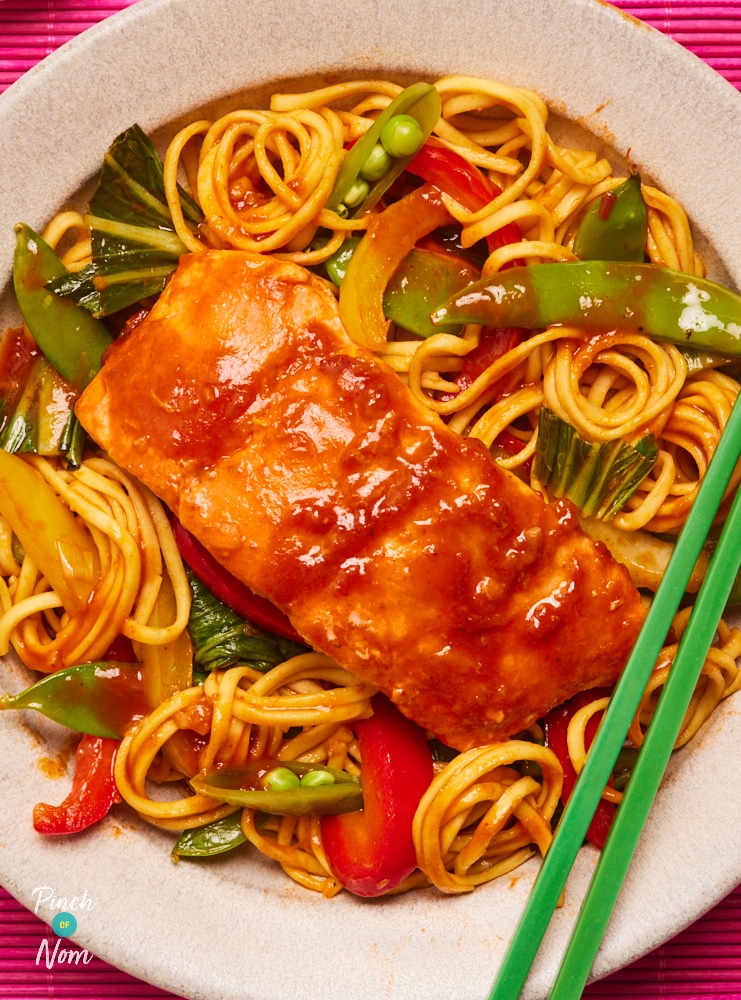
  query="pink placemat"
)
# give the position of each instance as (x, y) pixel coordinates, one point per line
(704, 960)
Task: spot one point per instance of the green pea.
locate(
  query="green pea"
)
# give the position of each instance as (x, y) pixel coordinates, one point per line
(319, 777)
(377, 165)
(357, 193)
(281, 779)
(401, 136)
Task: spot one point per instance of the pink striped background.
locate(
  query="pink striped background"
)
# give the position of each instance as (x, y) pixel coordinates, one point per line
(702, 962)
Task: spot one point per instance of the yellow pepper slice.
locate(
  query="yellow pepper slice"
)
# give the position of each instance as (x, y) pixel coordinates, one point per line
(51, 535)
(388, 239)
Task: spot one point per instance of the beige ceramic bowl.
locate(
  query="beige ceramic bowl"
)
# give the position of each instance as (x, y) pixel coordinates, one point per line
(236, 927)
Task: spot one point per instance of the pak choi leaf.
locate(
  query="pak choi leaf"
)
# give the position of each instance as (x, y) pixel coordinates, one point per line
(134, 243)
(222, 638)
(598, 478)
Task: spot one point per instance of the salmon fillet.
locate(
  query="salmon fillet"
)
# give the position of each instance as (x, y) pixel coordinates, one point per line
(314, 475)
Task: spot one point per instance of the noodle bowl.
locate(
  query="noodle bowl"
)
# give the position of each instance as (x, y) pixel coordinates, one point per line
(262, 178)
(625, 86)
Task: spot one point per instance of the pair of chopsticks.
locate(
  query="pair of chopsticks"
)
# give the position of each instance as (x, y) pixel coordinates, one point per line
(657, 747)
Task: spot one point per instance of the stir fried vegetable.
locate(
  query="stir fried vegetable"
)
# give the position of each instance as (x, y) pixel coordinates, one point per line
(389, 238)
(134, 243)
(420, 283)
(362, 180)
(598, 478)
(93, 790)
(214, 838)
(450, 173)
(221, 637)
(229, 590)
(253, 788)
(72, 339)
(100, 699)
(556, 727)
(42, 421)
(372, 851)
(615, 226)
(602, 295)
(167, 667)
(48, 531)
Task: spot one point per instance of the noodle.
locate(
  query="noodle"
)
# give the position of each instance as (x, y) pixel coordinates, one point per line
(132, 537)
(262, 178)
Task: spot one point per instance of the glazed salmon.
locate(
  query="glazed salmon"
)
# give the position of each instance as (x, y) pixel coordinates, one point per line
(313, 474)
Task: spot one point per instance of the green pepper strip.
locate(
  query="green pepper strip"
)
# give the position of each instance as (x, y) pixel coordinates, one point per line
(420, 101)
(603, 295)
(615, 226)
(100, 699)
(69, 337)
(240, 786)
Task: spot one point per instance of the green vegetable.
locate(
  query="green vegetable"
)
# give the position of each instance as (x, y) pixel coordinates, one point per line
(623, 768)
(357, 193)
(441, 752)
(100, 699)
(68, 336)
(72, 441)
(615, 226)
(319, 777)
(378, 163)
(211, 839)
(604, 295)
(598, 478)
(421, 102)
(221, 637)
(424, 279)
(281, 779)
(135, 246)
(336, 265)
(402, 136)
(43, 421)
(245, 786)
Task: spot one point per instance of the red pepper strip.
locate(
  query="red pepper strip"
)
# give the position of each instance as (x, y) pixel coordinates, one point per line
(228, 589)
(455, 176)
(556, 725)
(93, 790)
(371, 851)
(511, 444)
(494, 344)
(120, 651)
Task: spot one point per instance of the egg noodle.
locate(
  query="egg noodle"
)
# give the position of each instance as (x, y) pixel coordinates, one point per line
(262, 179)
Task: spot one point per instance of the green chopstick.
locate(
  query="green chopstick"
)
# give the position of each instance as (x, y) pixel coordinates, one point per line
(652, 759)
(610, 737)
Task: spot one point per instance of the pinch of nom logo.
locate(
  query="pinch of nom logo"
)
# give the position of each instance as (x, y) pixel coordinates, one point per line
(64, 925)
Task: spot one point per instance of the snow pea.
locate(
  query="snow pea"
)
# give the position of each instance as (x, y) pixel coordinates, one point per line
(423, 280)
(664, 304)
(615, 226)
(100, 699)
(213, 838)
(68, 335)
(421, 102)
(336, 265)
(249, 787)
